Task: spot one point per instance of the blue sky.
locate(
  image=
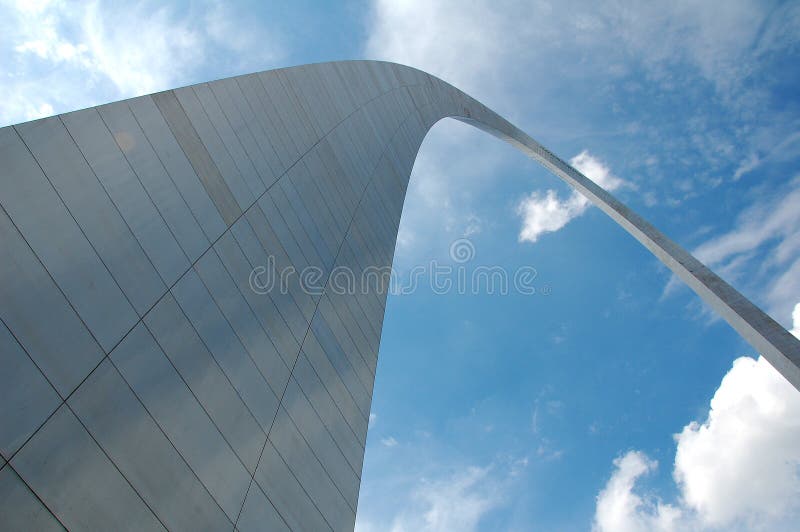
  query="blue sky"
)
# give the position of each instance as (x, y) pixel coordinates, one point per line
(611, 399)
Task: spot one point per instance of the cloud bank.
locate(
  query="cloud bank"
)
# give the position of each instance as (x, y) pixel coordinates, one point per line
(737, 470)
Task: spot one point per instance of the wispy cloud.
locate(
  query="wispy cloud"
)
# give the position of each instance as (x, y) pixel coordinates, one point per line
(761, 253)
(457, 501)
(443, 197)
(66, 56)
(389, 441)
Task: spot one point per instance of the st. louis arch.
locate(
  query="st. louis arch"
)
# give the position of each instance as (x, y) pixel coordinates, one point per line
(145, 383)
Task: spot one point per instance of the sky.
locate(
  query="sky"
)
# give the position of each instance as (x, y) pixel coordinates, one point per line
(611, 398)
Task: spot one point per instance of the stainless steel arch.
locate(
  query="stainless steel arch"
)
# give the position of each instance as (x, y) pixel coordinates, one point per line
(149, 376)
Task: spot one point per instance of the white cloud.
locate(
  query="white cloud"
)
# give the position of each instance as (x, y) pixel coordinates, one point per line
(547, 213)
(373, 418)
(620, 509)
(32, 113)
(62, 56)
(742, 464)
(596, 170)
(456, 502)
(738, 470)
(756, 226)
(389, 442)
(749, 164)
(446, 38)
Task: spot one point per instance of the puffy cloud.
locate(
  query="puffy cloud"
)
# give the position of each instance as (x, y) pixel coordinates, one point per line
(546, 213)
(738, 469)
(596, 170)
(742, 464)
(620, 509)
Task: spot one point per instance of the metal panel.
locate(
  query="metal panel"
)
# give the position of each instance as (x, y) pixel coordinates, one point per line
(215, 146)
(271, 126)
(77, 481)
(285, 113)
(250, 246)
(127, 193)
(197, 153)
(335, 386)
(40, 316)
(180, 416)
(283, 264)
(309, 120)
(238, 313)
(357, 323)
(317, 182)
(231, 139)
(287, 494)
(55, 237)
(207, 381)
(281, 230)
(338, 171)
(330, 330)
(338, 358)
(130, 437)
(309, 88)
(301, 191)
(322, 178)
(298, 456)
(159, 186)
(177, 165)
(27, 396)
(329, 413)
(259, 514)
(262, 304)
(285, 194)
(237, 108)
(21, 509)
(321, 443)
(226, 348)
(295, 230)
